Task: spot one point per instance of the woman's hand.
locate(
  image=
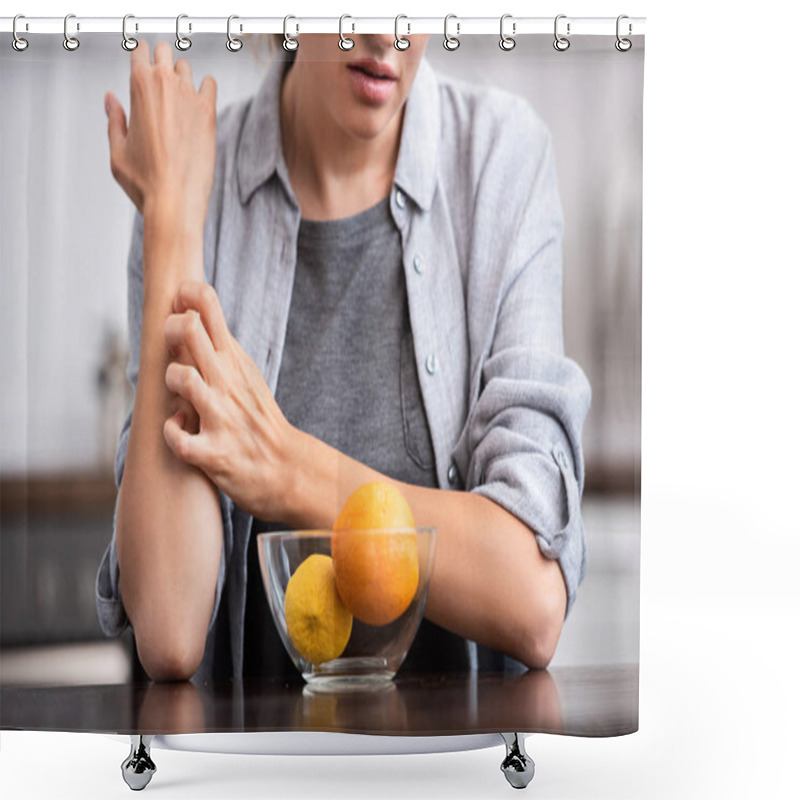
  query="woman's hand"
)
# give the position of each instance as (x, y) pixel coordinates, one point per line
(244, 444)
(164, 156)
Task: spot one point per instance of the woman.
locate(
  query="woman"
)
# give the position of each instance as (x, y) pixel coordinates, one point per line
(382, 301)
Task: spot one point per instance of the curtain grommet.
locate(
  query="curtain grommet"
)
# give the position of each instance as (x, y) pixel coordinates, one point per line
(129, 43)
(622, 44)
(182, 43)
(451, 43)
(507, 43)
(290, 43)
(401, 43)
(233, 44)
(17, 42)
(560, 43)
(71, 44)
(345, 42)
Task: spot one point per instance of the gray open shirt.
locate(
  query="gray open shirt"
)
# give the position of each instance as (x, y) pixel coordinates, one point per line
(476, 202)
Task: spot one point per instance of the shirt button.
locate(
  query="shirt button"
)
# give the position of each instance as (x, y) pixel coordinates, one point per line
(431, 364)
(400, 199)
(419, 266)
(452, 475)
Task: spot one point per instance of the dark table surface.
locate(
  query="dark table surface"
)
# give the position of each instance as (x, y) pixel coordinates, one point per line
(581, 701)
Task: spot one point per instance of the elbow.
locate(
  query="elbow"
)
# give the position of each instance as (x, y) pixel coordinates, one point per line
(166, 648)
(171, 659)
(539, 652)
(542, 632)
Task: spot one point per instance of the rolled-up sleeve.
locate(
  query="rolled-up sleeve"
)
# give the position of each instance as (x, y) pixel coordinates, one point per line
(526, 451)
(110, 610)
(523, 436)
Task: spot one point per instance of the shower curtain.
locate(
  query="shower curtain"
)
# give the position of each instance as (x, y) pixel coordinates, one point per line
(425, 264)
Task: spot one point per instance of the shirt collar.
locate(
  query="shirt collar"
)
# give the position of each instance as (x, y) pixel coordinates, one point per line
(260, 153)
(419, 142)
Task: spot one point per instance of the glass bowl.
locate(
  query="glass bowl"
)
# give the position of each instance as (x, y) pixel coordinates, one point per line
(347, 604)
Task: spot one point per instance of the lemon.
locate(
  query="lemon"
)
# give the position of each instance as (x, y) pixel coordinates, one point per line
(317, 621)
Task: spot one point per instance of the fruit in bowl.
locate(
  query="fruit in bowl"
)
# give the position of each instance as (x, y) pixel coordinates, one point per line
(376, 575)
(347, 602)
(317, 621)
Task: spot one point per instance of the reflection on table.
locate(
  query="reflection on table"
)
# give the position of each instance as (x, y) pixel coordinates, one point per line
(583, 701)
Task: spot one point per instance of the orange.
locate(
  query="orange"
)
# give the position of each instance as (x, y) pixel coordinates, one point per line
(376, 573)
(316, 620)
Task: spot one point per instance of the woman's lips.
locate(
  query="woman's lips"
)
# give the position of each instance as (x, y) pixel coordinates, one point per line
(372, 81)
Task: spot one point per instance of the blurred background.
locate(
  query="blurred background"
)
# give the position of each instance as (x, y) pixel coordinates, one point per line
(64, 233)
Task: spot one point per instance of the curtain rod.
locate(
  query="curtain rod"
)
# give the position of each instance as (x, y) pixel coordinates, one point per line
(456, 26)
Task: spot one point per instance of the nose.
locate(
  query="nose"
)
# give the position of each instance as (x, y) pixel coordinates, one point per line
(378, 43)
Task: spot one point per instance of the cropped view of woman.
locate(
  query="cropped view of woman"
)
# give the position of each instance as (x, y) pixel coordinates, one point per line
(353, 276)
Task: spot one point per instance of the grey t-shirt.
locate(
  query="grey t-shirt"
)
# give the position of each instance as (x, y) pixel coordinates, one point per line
(348, 374)
(349, 378)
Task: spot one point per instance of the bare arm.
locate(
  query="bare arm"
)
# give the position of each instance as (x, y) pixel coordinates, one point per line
(490, 582)
(169, 526)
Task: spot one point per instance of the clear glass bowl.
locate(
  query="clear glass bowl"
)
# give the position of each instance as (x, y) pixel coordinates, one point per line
(374, 652)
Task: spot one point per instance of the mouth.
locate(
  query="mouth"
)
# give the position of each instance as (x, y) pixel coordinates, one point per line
(374, 69)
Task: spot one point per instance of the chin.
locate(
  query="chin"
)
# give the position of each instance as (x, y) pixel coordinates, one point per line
(367, 125)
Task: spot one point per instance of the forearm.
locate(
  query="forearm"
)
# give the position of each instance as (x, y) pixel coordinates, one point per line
(169, 527)
(490, 583)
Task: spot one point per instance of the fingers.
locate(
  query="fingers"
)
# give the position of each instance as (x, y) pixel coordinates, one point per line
(187, 331)
(184, 69)
(201, 297)
(140, 57)
(117, 125)
(185, 381)
(117, 138)
(208, 89)
(163, 54)
(189, 447)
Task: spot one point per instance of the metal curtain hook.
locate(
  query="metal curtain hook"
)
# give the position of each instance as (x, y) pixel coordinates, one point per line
(507, 42)
(345, 42)
(400, 42)
(623, 45)
(451, 43)
(290, 43)
(18, 43)
(128, 42)
(183, 43)
(233, 44)
(561, 43)
(70, 42)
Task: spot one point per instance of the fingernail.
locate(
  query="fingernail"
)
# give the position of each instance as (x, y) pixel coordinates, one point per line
(107, 103)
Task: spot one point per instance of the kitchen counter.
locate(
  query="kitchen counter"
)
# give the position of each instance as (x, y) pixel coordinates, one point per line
(580, 701)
